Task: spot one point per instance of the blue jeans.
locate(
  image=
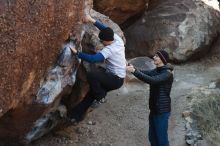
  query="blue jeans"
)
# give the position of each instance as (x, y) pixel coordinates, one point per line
(158, 126)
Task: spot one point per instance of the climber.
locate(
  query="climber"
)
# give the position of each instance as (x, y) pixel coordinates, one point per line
(102, 81)
(160, 81)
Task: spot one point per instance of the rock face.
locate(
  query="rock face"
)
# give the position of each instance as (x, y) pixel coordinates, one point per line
(186, 29)
(120, 10)
(34, 79)
(216, 47)
(31, 36)
(32, 33)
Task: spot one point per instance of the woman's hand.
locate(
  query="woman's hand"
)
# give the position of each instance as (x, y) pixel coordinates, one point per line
(130, 68)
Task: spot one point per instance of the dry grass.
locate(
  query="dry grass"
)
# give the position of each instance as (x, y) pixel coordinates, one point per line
(218, 83)
(206, 110)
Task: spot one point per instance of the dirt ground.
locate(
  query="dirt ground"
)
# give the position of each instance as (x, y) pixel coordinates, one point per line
(123, 119)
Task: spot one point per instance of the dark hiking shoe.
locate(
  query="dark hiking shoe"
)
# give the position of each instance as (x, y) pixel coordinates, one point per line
(103, 100)
(72, 121)
(96, 103)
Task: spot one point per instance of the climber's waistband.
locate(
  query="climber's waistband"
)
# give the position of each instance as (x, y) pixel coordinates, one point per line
(108, 72)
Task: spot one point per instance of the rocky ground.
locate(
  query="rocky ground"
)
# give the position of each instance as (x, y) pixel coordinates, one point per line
(122, 120)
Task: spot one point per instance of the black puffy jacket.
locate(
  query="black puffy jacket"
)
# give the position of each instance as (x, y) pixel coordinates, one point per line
(160, 80)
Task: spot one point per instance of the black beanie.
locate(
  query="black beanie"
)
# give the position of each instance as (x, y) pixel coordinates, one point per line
(106, 34)
(164, 56)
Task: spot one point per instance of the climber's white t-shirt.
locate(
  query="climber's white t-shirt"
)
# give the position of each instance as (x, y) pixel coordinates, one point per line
(115, 57)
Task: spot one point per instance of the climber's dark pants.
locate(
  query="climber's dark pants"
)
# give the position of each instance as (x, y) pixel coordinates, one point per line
(100, 83)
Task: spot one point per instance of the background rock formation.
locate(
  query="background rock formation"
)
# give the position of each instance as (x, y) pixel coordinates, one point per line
(216, 47)
(185, 28)
(120, 10)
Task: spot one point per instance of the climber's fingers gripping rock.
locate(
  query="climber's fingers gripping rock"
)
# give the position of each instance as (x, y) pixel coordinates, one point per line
(75, 52)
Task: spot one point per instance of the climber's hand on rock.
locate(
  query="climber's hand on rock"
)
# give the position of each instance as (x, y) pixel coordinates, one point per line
(70, 34)
(88, 18)
(74, 51)
(130, 68)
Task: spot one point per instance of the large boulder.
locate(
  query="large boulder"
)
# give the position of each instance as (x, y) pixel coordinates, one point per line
(31, 36)
(216, 47)
(40, 77)
(186, 29)
(32, 33)
(120, 10)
